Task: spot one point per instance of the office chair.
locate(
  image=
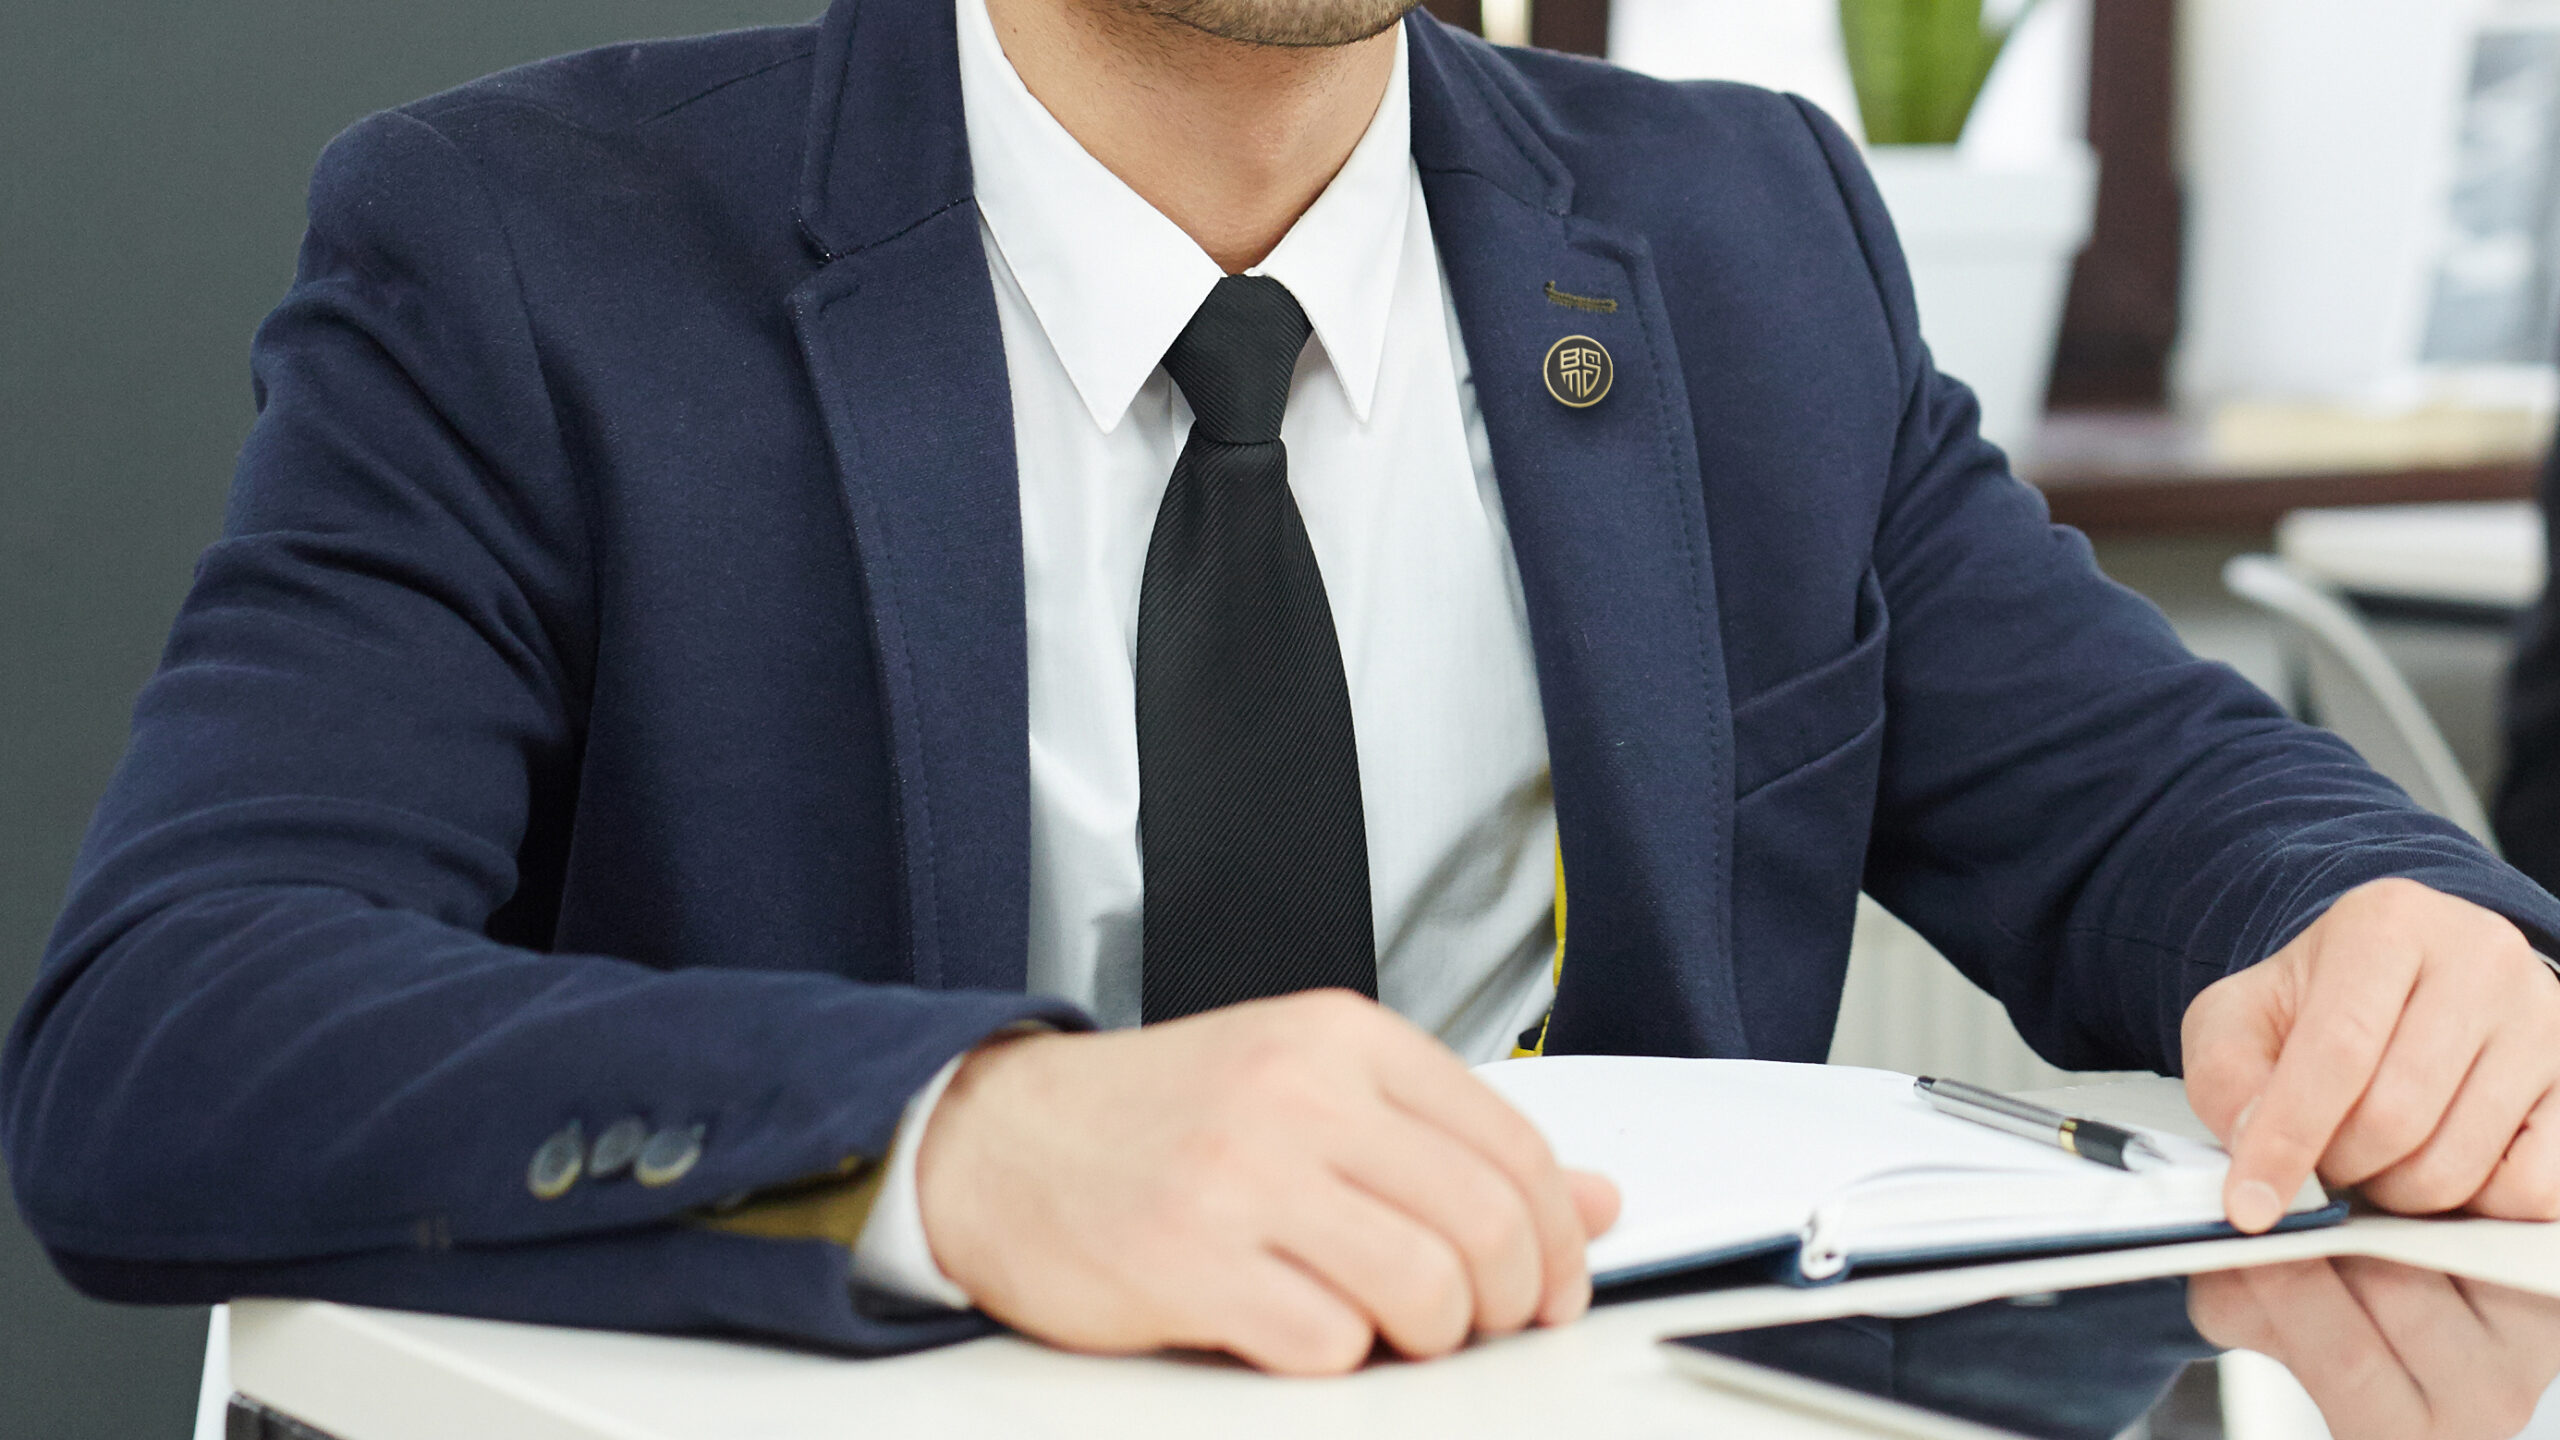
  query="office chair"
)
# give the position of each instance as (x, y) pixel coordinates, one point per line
(2348, 685)
(213, 1393)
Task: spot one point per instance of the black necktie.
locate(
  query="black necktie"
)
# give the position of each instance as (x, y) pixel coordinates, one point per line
(1256, 856)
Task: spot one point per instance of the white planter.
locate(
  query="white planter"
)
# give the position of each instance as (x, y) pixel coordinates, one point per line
(1991, 252)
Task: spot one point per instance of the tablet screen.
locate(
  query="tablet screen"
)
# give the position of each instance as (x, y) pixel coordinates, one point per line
(2360, 1347)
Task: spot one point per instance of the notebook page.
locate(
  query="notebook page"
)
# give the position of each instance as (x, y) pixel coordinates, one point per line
(1714, 1154)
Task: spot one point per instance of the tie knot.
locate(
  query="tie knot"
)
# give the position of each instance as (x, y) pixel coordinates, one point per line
(1234, 360)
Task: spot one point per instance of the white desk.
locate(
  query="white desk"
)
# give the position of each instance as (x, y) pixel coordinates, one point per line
(2487, 554)
(384, 1375)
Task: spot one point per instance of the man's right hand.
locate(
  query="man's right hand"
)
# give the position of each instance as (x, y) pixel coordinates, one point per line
(1290, 1180)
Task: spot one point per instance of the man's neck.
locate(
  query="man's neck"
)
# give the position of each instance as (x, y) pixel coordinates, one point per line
(1232, 142)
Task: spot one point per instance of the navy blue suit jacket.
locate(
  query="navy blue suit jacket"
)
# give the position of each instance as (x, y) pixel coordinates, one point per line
(607, 697)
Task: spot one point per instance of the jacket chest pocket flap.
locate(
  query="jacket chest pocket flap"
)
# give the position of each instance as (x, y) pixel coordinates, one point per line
(1810, 716)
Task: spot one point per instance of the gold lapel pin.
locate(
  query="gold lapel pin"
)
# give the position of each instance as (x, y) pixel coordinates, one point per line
(1578, 372)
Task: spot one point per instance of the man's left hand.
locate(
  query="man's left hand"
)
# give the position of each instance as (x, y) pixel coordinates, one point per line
(2407, 1043)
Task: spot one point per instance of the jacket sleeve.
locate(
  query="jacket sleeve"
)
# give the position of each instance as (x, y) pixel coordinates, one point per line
(292, 1036)
(2528, 809)
(2092, 823)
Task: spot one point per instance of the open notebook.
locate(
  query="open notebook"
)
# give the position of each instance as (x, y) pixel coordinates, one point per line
(1822, 1167)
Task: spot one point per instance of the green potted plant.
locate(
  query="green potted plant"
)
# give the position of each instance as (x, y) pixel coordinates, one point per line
(1990, 226)
(1919, 65)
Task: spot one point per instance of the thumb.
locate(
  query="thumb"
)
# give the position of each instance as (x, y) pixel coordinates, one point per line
(2231, 1037)
(2234, 1036)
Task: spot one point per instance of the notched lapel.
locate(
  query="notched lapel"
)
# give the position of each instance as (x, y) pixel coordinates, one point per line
(1608, 519)
(900, 333)
(1605, 506)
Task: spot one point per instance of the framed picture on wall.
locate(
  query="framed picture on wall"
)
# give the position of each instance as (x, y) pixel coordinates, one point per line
(2492, 326)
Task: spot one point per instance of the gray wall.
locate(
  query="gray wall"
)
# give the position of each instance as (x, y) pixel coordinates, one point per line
(152, 159)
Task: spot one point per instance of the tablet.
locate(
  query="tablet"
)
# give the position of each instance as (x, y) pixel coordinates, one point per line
(2371, 1347)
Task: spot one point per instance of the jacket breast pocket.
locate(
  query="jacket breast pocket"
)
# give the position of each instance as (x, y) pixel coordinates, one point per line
(1809, 716)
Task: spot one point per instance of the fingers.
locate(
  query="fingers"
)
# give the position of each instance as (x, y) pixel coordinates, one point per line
(2464, 1369)
(2476, 1127)
(2524, 1331)
(1439, 1091)
(2526, 1184)
(2436, 1053)
(1462, 1199)
(2323, 1335)
(2387, 1349)
(1595, 1197)
(1273, 1315)
(1404, 1278)
(2225, 1311)
(2397, 1044)
(1289, 1180)
(2336, 1040)
(2429, 1326)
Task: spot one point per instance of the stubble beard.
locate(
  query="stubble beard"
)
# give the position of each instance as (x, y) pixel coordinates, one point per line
(1294, 24)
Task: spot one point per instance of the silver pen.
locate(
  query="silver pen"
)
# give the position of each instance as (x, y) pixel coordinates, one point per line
(2089, 1139)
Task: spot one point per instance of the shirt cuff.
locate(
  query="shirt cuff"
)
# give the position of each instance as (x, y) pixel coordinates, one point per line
(892, 1254)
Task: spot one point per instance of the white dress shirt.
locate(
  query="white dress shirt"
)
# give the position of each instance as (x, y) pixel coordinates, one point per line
(1393, 476)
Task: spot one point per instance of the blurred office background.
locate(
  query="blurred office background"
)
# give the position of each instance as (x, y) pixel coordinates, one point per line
(2214, 263)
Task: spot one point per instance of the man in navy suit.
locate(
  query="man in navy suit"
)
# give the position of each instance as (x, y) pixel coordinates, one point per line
(745, 538)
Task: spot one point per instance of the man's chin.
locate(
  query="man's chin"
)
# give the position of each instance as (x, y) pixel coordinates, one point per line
(1288, 24)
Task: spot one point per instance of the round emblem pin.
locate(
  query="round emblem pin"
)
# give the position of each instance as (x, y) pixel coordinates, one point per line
(1578, 371)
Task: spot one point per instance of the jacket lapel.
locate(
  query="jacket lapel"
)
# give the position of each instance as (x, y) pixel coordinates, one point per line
(1605, 507)
(900, 333)
(1608, 519)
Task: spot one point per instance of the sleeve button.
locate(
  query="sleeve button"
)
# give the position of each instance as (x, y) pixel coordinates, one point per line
(669, 1156)
(617, 1147)
(557, 1165)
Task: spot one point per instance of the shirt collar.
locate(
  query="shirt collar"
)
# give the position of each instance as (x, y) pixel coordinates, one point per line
(1112, 281)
